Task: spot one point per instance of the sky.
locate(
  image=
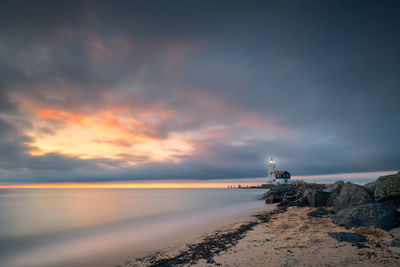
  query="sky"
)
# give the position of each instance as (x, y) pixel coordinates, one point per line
(103, 91)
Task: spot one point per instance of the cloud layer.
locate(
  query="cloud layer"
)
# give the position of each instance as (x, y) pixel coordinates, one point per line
(101, 91)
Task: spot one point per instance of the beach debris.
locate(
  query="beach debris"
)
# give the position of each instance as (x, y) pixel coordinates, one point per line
(359, 245)
(354, 238)
(374, 214)
(347, 237)
(320, 213)
(210, 246)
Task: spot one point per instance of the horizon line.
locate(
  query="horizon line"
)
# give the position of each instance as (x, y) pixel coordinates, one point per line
(190, 183)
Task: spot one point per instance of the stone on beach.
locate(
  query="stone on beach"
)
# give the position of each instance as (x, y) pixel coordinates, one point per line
(334, 191)
(319, 213)
(304, 187)
(387, 187)
(273, 198)
(347, 237)
(334, 188)
(317, 198)
(374, 214)
(354, 204)
(301, 202)
(351, 195)
(371, 186)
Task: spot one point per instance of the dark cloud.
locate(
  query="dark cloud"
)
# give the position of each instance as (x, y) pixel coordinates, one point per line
(314, 83)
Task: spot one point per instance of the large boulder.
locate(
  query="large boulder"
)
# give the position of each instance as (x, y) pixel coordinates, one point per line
(273, 198)
(334, 191)
(289, 196)
(374, 214)
(271, 191)
(388, 187)
(371, 186)
(336, 187)
(351, 195)
(266, 194)
(300, 202)
(317, 198)
(303, 188)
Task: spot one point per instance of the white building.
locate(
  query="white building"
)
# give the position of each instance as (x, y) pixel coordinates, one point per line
(277, 176)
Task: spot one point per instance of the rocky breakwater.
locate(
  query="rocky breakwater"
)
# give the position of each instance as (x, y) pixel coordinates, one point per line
(376, 204)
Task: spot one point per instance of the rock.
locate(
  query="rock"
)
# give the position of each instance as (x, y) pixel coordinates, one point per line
(284, 202)
(273, 198)
(331, 199)
(301, 202)
(374, 214)
(351, 195)
(334, 191)
(319, 213)
(265, 195)
(289, 196)
(371, 186)
(394, 203)
(347, 237)
(336, 187)
(302, 189)
(359, 245)
(317, 198)
(395, 242)
(272, 191)
(387, 187)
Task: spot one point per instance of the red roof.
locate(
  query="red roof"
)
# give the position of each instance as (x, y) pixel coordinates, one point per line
(279, 172)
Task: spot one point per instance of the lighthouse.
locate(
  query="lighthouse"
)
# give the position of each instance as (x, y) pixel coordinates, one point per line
(277, 176)
(271, 168)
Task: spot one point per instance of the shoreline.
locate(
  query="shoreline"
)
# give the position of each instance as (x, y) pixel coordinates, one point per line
(209, 244)
(228, 219)
(342, 224)
(284, 236)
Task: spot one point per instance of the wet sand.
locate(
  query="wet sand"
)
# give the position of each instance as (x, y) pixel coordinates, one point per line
(218, 220)
(292, 238)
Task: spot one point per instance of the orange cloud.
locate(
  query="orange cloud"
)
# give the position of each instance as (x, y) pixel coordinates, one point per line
(105, 135)
(52, 114)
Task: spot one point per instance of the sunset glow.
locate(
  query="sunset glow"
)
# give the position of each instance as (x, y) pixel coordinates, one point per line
(107, 135)
(126, 185)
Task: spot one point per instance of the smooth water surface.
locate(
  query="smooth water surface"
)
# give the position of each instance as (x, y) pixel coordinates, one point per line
(63, 227)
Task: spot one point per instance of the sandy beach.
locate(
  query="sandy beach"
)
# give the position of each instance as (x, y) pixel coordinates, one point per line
(295, 239)
(286, 238)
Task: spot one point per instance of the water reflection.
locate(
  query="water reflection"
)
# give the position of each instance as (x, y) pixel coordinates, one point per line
(66, 226)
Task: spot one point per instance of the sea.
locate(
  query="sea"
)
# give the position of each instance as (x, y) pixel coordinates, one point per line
(103, 227)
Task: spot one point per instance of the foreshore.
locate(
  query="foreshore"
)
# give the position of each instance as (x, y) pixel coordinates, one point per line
(281, 238)
(293, 233)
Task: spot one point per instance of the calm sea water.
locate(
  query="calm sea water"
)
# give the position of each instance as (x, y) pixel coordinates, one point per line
(64, 227)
